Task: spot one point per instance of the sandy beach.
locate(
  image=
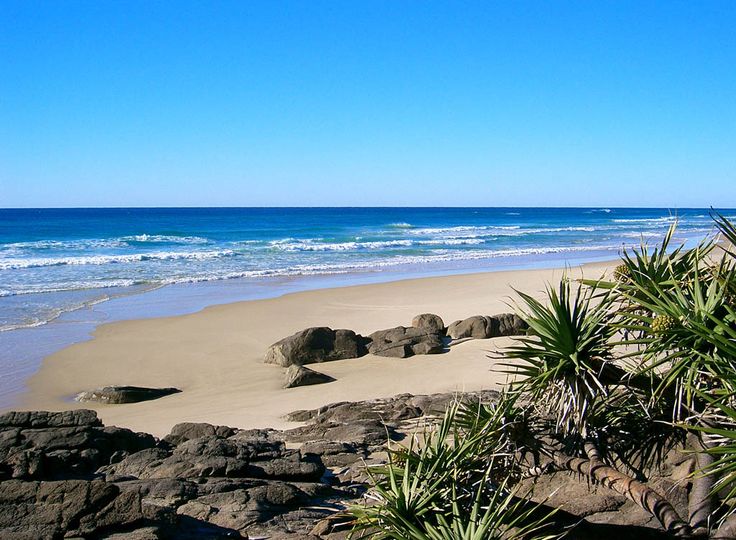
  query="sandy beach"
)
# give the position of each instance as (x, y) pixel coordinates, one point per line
(215, 356)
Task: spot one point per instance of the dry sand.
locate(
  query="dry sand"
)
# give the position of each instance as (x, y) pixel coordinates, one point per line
(216, 355)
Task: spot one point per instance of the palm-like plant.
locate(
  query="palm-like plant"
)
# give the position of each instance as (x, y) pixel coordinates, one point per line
(684, 354)
(565, 362)
(450, 486)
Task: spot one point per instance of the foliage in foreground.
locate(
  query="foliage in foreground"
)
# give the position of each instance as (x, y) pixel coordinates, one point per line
(455, 484)
(613, 374)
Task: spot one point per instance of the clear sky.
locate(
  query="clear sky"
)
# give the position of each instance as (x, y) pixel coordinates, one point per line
(372, 103)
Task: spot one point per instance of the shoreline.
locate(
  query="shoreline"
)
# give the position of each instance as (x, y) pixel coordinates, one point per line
(215, 355)
(23, 350)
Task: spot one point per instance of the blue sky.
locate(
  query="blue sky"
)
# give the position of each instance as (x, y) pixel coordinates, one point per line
(373, 103)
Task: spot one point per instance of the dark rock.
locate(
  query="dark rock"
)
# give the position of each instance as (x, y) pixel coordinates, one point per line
(430, 322)
(364, 434)
(402, 342)
(302, 376)
(334, 453)
(124, 394)
(319, 344)
(484, 327)
(66, 508)
(510, 324)
(190, 430)
(478, 327)
(71, 444)
(45, 419)
(241, 508)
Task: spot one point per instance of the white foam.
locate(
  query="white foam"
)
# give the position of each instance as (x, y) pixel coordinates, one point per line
(669, 219)
(163, 238)
(311, 245)
(38, 262)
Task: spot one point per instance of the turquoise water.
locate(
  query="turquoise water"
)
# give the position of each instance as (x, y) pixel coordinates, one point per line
(63, 271)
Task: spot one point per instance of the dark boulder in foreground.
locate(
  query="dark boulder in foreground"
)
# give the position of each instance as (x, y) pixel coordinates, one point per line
(402, 342)
(61, 445)
(313, 345)
(430, 322)
(124, 394)
(484, 326)
(301, 376)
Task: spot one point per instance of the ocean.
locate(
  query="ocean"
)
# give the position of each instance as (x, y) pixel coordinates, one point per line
(64, 271)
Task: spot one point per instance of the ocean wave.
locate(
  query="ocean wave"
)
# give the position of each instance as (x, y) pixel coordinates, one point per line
(465, 230)
(100, 243)
(453, 241)
(642, 234)
(164, 239)
(311, 245)
(669, 219)
(74, 286)
(400, 225)
(35, 262)
(81, 244)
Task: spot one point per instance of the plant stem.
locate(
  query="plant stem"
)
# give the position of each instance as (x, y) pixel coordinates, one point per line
(636, 491)
(700, 499)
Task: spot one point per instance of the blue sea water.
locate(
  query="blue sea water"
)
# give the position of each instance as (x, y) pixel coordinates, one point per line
(80, 267)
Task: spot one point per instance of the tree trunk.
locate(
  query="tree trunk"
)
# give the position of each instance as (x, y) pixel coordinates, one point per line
(640, 493)
(700, 500)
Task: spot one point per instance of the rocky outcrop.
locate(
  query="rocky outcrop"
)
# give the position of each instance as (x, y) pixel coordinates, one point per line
(402, 342)
(485, 327)
(124, 394)
(302, 376)
(61, 445)
(206, 481)
(313, 345)
(67, 475)
(429, 322)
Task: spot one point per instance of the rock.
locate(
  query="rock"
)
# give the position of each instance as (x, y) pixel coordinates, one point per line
(334, 453)
(190, 430)
(246, 454)
(320, 344)
(478, 327)
(301, 376)
(54, 446)
(402, 342)
(66, 508)
(484, 327)
(510, 324)
(240, 508)
(124, 394)
(430, 322)
(563, 490)
(364, 434)
(44, 419)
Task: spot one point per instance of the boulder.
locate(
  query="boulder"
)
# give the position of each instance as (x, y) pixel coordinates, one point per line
(430, 322)
(71, 508)
(190, 430)
(301, 376)
(313, 345)
(510, 324)
(484, 326)
(124, 394)
(402, 342)
(44, 445)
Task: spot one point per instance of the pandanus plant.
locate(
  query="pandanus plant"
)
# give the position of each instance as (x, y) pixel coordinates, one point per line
(612, 376)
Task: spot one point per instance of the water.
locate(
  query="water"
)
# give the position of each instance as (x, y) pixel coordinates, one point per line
(76, 268)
